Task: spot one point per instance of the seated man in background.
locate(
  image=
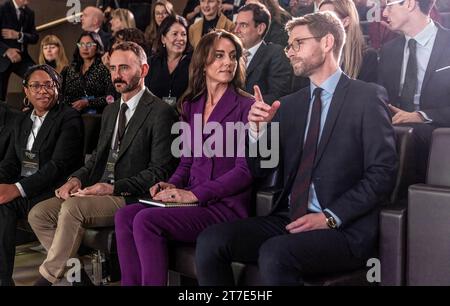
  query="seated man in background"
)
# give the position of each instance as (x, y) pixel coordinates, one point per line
(415, 70)
(133, 154)
(267, 65)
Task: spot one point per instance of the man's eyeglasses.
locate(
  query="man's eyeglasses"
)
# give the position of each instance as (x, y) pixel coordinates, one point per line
(36, 87)
(86, 45)
(296, 44)
(388, 4)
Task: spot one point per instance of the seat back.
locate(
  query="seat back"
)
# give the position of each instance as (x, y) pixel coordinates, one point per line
(406, 174)
(439, 161)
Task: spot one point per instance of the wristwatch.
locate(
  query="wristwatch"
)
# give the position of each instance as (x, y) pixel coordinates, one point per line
(331, 221)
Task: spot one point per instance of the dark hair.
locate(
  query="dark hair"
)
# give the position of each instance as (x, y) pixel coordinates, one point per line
(321, 24)
(77, 62)
(133, 47)
(164, 28)
(53, 74)
(131, 34)
(426, 6)
(260, 14)
(204, 56)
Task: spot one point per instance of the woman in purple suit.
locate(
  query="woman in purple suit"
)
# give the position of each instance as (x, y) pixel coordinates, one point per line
(212, 172)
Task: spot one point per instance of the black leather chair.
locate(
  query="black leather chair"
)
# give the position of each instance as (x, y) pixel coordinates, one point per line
(428, 226)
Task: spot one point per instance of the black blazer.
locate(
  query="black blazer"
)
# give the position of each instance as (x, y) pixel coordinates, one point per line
(8, 20)
(369, 67)
(145, 156)
(356, 159)
(7, 120)
(271, 71)
(60, 146)
(434, 99)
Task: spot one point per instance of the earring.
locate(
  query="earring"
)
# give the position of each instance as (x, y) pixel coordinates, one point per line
(164, 45)
(26, 102)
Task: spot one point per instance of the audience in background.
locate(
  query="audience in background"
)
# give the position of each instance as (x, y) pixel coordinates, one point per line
(267, 65)
(161, 10)
(17, 31)
(92, 21)
(52, 53)
(169, 66)
(121, 19)
(129, 34)
(276, 33)
(87, 85)
(212, 19)
(358, 61)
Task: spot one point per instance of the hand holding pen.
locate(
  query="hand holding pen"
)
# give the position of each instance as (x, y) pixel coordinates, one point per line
(155, 189)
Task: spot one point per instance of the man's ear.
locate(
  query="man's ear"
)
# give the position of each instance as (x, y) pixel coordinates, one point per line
(328, 43)
(144, 70)
(261, 28)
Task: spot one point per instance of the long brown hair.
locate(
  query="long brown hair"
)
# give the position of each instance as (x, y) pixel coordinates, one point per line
(204, 56)
(277, 12)
(352, 55)
(61, 60)
(151, 32)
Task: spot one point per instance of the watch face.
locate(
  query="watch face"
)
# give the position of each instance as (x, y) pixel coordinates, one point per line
(331, 222)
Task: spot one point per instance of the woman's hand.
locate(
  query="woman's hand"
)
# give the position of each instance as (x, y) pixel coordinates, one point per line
(155, 189)
(79, 105)
(175, 195)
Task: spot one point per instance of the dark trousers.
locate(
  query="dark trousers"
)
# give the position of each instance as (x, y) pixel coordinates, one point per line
(282, 258)
(18, 68)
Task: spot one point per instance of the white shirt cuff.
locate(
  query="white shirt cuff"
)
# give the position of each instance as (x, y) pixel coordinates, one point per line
(425, 117)
(22, 192)
(338, 221)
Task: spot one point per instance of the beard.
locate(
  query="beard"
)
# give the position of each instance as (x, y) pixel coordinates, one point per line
(305, 67)
(130, 86)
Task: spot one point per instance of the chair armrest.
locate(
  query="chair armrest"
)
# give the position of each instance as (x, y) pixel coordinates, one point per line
(393, 245)
(266, 199)
(427, 235)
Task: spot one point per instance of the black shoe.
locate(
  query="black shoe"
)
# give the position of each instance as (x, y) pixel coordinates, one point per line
(42, 282)
(85, 281)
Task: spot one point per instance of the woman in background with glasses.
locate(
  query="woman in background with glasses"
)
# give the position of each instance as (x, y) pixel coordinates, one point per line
(161, 10)
(47, 147)
(87, 85)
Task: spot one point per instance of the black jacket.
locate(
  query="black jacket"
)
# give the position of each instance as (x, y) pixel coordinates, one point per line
(8, 20)
(7, 121)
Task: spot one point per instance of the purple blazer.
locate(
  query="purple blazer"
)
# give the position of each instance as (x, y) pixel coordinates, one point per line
(222, 184)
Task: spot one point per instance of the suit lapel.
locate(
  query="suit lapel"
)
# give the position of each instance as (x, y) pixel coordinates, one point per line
(259, 55)
(333, 113)
(140, 114)
(440, 44)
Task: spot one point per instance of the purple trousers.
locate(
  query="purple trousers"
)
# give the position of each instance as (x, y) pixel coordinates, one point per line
(143, 232)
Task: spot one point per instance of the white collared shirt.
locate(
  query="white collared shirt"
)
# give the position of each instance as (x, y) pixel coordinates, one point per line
(132, 104)
(17, 9)
(37, 124)
(252, 52)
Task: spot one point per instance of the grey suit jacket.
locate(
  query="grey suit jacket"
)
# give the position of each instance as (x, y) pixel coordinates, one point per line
(271, 71)
(144, 156)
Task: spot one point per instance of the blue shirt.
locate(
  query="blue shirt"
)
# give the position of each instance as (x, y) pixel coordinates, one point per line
(328, 86)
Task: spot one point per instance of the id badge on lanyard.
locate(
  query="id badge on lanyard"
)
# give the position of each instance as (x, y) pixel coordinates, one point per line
(108, 175)
(170, 100)
(30, 163)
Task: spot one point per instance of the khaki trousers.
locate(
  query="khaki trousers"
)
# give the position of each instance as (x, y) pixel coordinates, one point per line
(60, 225)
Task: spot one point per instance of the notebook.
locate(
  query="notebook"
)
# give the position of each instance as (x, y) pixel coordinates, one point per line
(150, 201)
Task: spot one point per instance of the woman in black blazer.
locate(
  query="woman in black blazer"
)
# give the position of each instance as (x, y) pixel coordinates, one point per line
(169, 68)
(47, 147)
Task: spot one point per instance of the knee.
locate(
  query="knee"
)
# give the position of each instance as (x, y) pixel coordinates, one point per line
(123, 218)
(272, 256)
(213, 240)
(146, 222)
(73, 208)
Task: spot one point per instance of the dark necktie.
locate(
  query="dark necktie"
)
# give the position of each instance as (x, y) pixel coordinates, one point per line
(302, 183)
(410, 84)
(121, 127)
(21, 17)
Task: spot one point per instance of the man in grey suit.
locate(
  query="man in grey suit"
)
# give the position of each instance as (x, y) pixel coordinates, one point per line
(133, 154)
(267, 65)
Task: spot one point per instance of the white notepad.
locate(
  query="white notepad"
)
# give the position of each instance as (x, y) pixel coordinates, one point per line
(150, 201)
